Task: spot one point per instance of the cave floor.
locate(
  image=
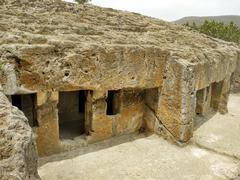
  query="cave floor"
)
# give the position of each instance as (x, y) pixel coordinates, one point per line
(213, 153)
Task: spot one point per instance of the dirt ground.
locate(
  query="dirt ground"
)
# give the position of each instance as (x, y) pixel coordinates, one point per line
(213, 153)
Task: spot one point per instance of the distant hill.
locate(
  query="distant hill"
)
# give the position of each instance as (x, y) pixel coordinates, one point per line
(200, 20)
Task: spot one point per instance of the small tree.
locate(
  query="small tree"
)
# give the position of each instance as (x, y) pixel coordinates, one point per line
(82, 1)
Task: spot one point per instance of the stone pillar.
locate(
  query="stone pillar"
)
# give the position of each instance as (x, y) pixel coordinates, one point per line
(203, 101)
(220, 94)
(224, 96)
(130, 117)
(10, 86)
(98, 125)
(216, 94)
(48, 131)
(176, 110)
(236, 77)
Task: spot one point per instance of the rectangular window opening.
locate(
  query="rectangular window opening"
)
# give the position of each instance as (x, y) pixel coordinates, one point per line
(27, 104)
(112, 103)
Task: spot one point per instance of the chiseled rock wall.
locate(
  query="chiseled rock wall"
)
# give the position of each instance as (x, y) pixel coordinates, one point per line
(99, 49)
(236, 78)
(48, 141)
(128, 119)
(176, 108)
(44, 67)
(18, 154)
(89, 47)
(214, 69)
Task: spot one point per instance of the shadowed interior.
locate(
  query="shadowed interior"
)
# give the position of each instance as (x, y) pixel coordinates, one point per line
(27, 104)
(71, 114)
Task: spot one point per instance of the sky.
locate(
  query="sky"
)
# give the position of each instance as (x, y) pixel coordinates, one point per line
(170, 10)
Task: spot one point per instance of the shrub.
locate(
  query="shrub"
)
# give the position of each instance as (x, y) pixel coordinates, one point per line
(230, 32)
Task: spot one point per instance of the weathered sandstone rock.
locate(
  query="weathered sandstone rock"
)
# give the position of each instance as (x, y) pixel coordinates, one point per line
(124, 62)
(18, 153)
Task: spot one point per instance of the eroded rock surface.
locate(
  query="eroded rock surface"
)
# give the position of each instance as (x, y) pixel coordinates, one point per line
(18, 154)
(213, 154)
(54, 44)
(48, 47)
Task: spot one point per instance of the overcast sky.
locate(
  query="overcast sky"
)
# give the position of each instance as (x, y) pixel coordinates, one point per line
(174, 9)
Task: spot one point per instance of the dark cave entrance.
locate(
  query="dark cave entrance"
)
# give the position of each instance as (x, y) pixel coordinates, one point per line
(27, 104)
(112, 103)
(216, 94)
(71, 112)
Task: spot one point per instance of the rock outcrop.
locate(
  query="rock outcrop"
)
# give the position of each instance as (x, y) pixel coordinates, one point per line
(59, 45)
(18, 154)
(51, 47)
